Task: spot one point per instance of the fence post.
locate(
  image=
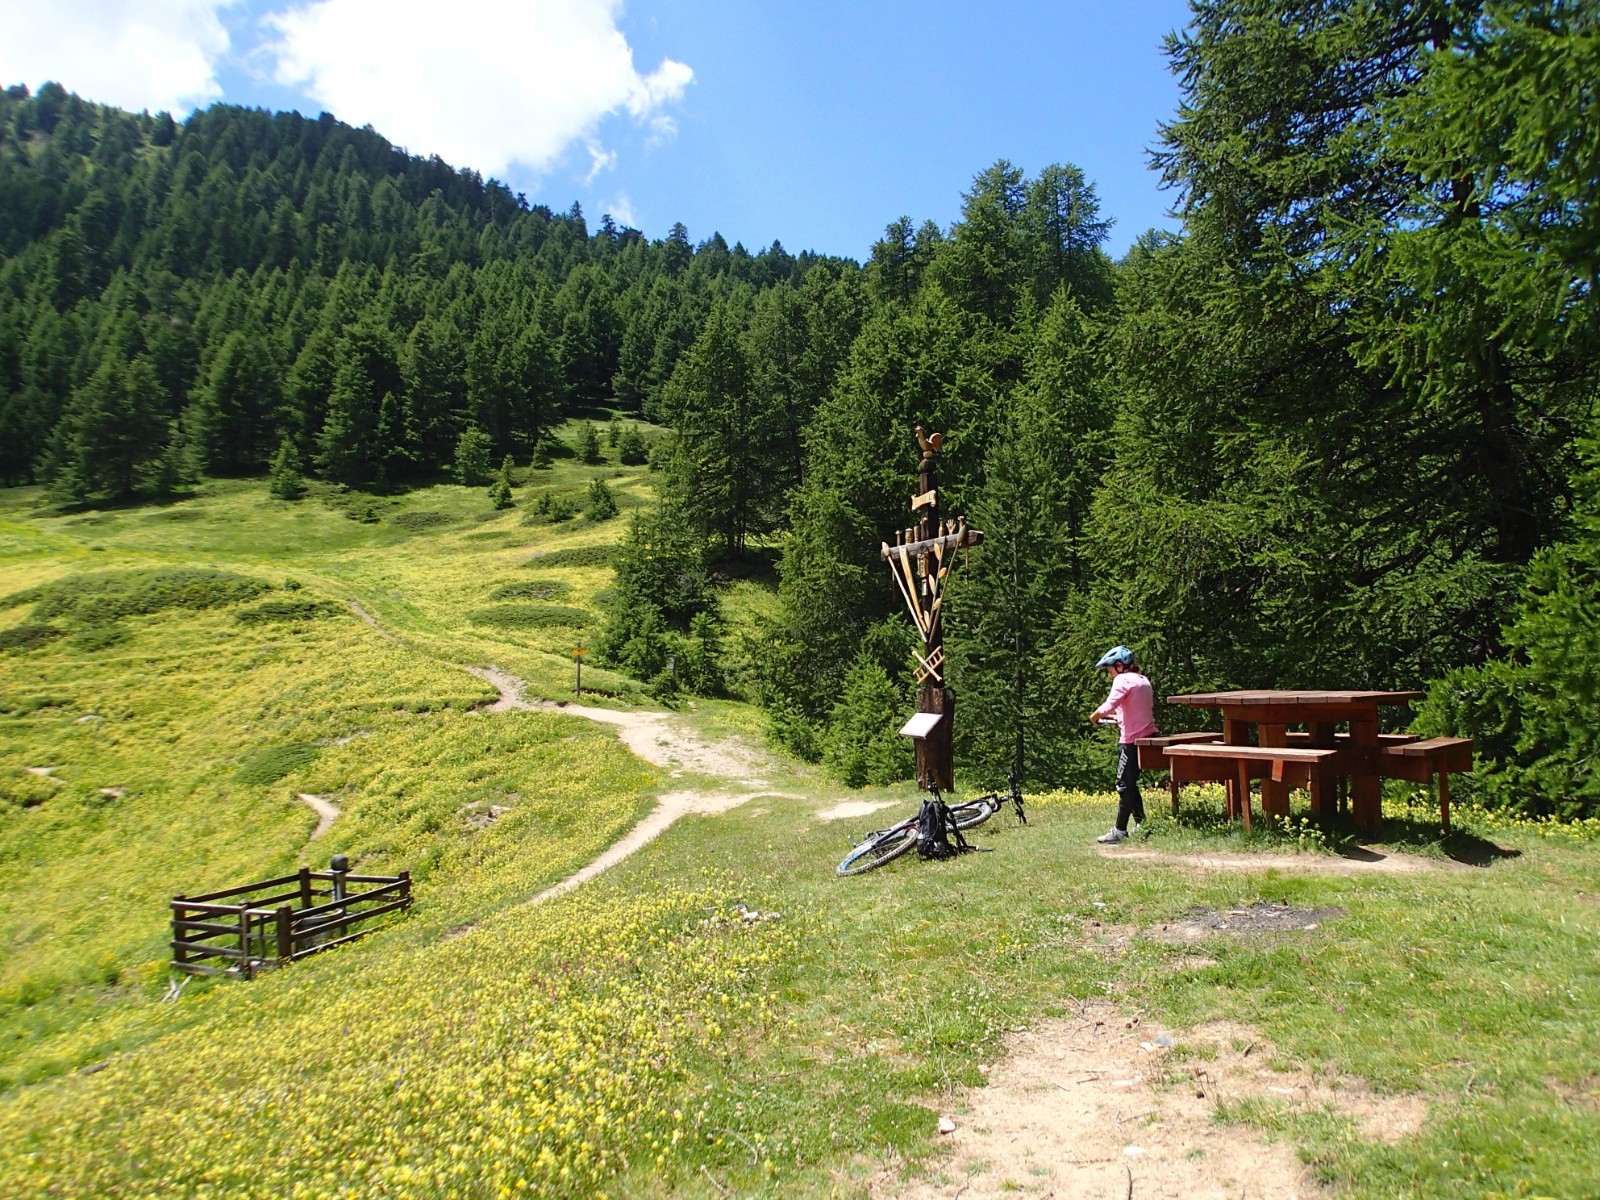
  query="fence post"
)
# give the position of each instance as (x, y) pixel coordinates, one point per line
(305, 887)
(246, 968)
(405, 887)
(180, 949)
(285, 921)
(338, 866)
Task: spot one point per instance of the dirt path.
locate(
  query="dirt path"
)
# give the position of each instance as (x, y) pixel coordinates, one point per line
(1095, 1105)
(327, 813)
(1360, 862)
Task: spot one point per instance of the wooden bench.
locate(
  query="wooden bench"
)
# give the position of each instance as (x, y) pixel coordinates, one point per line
(1420, 760)
(1153, 750)
(1238, 765)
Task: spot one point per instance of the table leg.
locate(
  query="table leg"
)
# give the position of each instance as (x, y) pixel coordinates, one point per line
(1366, 789)
(1444, 800)
(1235, 733)
(1323, 797)
(1172, 786)
(1243, 783)
(1274, 792)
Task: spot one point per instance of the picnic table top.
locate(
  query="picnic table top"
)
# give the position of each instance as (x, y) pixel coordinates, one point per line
(1284, 698)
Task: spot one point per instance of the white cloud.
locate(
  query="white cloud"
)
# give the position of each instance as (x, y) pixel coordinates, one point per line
(151, 54)
(482, 85)
(621, 210)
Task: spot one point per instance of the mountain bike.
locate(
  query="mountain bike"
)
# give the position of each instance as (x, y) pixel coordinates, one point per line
(886, 845)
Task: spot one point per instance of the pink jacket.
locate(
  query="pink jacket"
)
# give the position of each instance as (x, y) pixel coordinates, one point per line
(1132, 701)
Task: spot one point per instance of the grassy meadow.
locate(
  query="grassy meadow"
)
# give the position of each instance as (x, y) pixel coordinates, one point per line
(641, 1036)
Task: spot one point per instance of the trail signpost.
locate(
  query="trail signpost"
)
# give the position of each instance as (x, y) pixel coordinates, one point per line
(577, 666)
(920, 561)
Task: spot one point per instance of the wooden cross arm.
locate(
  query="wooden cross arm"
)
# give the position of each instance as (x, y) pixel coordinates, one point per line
(950, 541)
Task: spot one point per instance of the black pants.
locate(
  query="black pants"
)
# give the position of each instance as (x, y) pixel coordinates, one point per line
(1131, 802)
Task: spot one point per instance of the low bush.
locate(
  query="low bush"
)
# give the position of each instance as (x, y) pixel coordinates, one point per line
(100, 637)
(267, 766)
(542, 589)
(574, 556)
(416, 522)
(529, 616)
(22, 638)
(103, 596)
(277, 611)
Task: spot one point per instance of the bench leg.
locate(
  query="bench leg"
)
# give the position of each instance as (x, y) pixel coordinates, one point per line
(1444, 800)
(1274, 792)
(1172, 787)
(1244, 794)
(1366, 801)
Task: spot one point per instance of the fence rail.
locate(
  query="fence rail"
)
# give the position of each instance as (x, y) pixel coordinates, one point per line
(262, 925)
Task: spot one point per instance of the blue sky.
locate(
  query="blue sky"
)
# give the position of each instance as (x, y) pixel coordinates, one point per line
(814, 123)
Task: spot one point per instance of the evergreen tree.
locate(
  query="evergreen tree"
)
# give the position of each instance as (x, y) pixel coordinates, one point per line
(287, 481)
(472, 457)
(602, 505)
(589, 445)
(500, 489)
(631, 448)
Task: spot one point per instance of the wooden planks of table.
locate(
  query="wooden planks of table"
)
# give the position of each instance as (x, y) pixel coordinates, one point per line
(1357, 756)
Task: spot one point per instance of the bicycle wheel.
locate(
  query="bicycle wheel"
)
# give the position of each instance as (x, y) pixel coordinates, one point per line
(879, 849)
(974, 812)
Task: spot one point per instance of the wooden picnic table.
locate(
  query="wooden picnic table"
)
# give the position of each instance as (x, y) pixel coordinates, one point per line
(1357, 756)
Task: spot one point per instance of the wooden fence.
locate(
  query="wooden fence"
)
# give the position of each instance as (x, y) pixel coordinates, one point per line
(242, 930)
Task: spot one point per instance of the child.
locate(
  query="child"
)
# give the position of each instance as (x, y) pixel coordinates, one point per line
(1130, 705)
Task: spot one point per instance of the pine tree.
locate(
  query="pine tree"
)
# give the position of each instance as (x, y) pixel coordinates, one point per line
(589, 445)
(472, 457)
(602, 505)
(500, 489)
(631, 448)
(287, 481)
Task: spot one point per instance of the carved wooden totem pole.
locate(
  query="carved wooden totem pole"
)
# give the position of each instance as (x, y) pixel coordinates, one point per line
(920, 561)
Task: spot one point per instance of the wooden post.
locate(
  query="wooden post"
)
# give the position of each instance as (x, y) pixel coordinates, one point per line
(305, 887)
(1243, 783)
(1366, 789)
(180, 950)
(1274, 793)
(1322, 791)
(1172, 786)
(1234, 733)
(338, 866)
(284, 919)
(246, 967)
(1444, 800)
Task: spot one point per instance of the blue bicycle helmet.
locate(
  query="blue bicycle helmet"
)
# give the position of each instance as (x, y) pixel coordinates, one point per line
(1115, 655)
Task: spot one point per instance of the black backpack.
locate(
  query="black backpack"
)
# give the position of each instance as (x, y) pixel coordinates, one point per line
(935, 829)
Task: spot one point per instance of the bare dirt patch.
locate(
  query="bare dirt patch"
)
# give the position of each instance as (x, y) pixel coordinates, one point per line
(1097, 1105)
(847, 809)
(1361, 861)
(1260, 918)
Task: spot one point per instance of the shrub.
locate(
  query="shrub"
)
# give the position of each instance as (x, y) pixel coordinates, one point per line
(500, 489)
(100, 637)
(22, 638)
(631, 448)
(589, 445)
(287, 481)
(103, 596)
(279, 611)
(472, 457)
(544, 589)
(416, 522)
(574, 556)
(529, 616)
(272, 764)
(602, 505)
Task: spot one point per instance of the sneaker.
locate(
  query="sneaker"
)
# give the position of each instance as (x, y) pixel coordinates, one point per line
(1112, 838)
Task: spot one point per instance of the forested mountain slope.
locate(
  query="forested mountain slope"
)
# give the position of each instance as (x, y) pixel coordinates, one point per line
(176, 297)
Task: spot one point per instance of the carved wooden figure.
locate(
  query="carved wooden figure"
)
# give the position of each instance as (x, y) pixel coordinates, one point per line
(920, 562)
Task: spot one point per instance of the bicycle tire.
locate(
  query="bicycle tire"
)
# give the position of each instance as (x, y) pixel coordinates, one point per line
(974, 812)
(878, 849)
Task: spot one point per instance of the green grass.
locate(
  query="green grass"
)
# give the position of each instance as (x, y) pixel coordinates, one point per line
(640, 1033)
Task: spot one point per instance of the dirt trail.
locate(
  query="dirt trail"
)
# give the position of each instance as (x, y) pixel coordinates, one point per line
(1362, 861)
(327, 813)
(1096, 1106)
(659, 739)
